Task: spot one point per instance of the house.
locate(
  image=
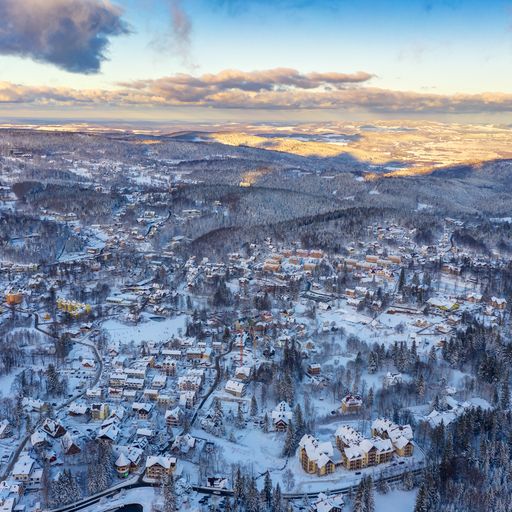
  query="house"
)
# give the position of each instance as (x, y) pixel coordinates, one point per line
(281, 416)
(34, 404)
(109, 431)
(236, 388)
(443, 304)
(122, 466)
(159, 382)
(243, 373)
(70, 445)
(498, 303)
(315, 457)
(150, 394)
(5, 429)
(392, 379)
(173, 418)
(53, 428)
(324, 503)
(143, 410)
(158, 466)
(351, 404)
(88, 364)
(76, 409)
(99, 411)
(183, 443)
(38, 439)
(187, 399)
(217, 482)
(23, 468)
(135, 454)
(474, 297)
(314, 369)
(94, 393)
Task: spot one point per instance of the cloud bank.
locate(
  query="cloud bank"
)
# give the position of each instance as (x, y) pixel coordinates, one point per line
(273, 89)
(71, 34)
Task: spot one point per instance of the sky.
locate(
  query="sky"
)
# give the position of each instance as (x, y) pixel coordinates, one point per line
(256, 60)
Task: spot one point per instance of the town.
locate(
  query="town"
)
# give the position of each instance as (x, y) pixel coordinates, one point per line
(303, 377)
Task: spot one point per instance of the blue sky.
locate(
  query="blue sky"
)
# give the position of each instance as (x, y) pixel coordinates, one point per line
(438, 47)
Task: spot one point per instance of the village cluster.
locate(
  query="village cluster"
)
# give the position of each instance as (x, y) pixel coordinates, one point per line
(191, 367)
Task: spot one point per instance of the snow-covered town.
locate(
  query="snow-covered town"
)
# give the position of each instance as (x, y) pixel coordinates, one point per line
(138, 366)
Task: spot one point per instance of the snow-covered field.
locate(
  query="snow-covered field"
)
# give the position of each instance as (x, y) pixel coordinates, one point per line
(154, 330)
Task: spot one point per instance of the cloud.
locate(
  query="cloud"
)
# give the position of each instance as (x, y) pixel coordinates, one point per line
(273, 89)
(177, 37)
(277, 79)
(71, 34)
(181, 28)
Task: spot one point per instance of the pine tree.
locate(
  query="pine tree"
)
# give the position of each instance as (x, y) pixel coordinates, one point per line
(252, 497)
(238, 486)
(432, 356)
(74, 492)
(289, 441)
(401, 279)
(421, 500)
(300, 426)
(359, 498)
(240, 420)
(169, 494)
(505, 394)
(373, 365)
(420, 386)
(266, 423)
(369, 499)
(254, 406)
(267, 491)
(369, 399)
(277, 499)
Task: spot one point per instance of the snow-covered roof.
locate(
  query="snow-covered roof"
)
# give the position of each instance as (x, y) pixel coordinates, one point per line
(234, 386)
(122, 461)
(282, 412)
(326, 503)
(348, 435)
(316, 451)
(161, 460)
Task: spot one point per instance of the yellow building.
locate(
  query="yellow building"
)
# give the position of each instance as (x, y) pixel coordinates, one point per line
(315, 457)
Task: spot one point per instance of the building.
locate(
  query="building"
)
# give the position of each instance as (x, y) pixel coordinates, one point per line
(23, 468)
(281, 417)
(173, 417)
(314, 369)
(122, 466)
(401, 436)
(358, 452)
(159, 466)
(53, 428)
(236, 388)
(351, 404)
(99, 411)
(315, 457)
(324, 503)
(498, 303)
(143, 410)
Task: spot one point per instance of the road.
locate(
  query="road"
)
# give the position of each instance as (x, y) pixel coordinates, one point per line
(213, 387)
(346, 489)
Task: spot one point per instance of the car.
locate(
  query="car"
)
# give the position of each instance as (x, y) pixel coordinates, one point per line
(402, 462)
(358, 472)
